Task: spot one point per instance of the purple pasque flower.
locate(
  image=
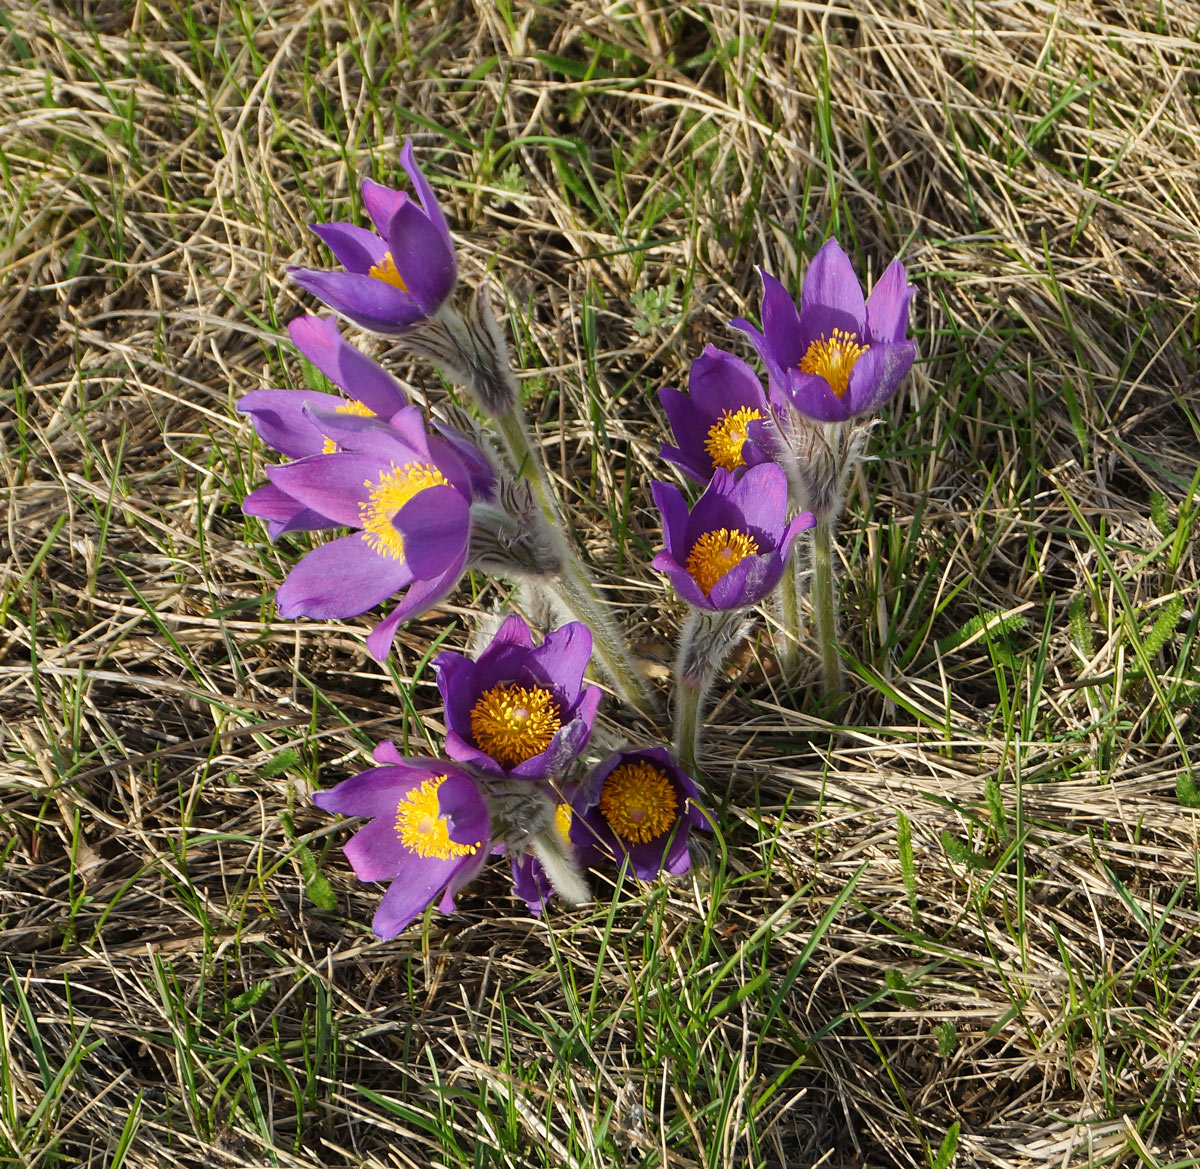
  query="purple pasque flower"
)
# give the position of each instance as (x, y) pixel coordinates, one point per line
(429, 833)
(284, 418)
(408, 496)
(712, 422)
(397, 274)
(642, 806)
(516, 710)
(729, 551)
(838, 356)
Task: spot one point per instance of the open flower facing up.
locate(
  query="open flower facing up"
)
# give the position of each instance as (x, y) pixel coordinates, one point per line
(409, 497)
(428, 834)
(712, 421)
(839, 356)
(396, 275)
(516, 710)
(729, 551)
(642, 806)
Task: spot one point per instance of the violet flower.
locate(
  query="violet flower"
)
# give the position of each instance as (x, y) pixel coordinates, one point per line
(712, 421)
(428, 834)
(409, 497)
(838, 356)
(729, 551)
(396, 275)
(519, 711)
(643, 806)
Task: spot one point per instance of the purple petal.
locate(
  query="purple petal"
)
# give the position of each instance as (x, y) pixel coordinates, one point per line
(409, 896)
(464, 809)
(336, 485)
(376, 792)
(887, 306)
(562, 659)
(719, 381)
(800, 523)
(747, 582)
(280, 420)
(375, 852)
(877, 375)
(381, 203)
(811, 395)
(282, 512)
(830, 283)
(340, 579)
(690, 427)
(356, 249)
(422, 595)
(387, 752)
(363, 300)
(469, 868)
(425, 194)
(530, 882)
(683, 582)
(674, 512)
(781, 323)
(422, 256)
(362, 379)
(436, 526)
(761, 496)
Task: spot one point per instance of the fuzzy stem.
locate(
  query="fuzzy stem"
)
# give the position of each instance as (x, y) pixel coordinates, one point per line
(688, 703)
(825, 608)
(789, 610)
(574, 588)
(704, 644)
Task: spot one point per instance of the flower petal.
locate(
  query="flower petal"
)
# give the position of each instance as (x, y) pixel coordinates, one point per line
(363, 300)
(810, 394)
(375, 792)
(356, 249)
(381, 203)
(319, 339)
(830, 283)
(281, 422)
(375, 852)
(761, 495)
(877, 375)
(887, 306)
(720, 381)
(422, 256)
(674, 510)
(422, 595)
(781, 323)
(282, 512)
(340, 579)
(336, 485)
(436, 526)
(465, 809)
(425, 193)
(409, 896)
(562, 659)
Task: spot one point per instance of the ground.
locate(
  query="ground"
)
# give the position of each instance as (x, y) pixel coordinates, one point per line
(953, 921)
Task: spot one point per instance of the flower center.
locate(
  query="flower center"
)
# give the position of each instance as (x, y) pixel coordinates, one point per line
(394, 489)
(639, 802)
(385, 270)
(349, 406)
(562, 823)
(833, 358)
(512, 723)
(423, 829)
(726, 436)
(715, 553)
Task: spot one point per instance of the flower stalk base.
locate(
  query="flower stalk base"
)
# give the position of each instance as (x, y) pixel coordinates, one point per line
(824, 599)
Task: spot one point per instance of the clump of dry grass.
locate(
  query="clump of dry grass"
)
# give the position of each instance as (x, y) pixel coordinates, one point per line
(975, 907)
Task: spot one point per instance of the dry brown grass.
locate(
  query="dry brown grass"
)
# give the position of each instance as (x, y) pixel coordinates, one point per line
(175, 997)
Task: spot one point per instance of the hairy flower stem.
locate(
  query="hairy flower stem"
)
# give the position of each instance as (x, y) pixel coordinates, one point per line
(574, 588)
(704, 645)
(789, 611)
(825, 608)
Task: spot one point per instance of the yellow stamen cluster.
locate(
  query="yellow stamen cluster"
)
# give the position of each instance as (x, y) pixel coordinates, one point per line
(349, 406)
(833, 358)
(715, 553)
(562, 822)
(639, 802)
(394, 489)
(386, 271)
(512, 723)
(423, 829)
(726, 436)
